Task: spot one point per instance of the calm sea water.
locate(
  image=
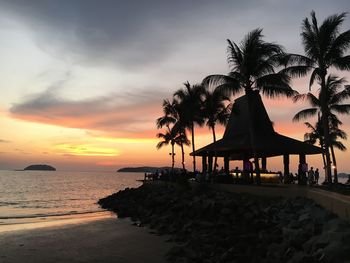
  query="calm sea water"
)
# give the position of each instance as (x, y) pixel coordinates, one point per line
(26, 195)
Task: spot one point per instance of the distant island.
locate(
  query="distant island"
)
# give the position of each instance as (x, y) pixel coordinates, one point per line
(39, 167)
(144, 169)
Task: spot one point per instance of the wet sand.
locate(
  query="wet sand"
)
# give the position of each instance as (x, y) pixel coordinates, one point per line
(101, 240)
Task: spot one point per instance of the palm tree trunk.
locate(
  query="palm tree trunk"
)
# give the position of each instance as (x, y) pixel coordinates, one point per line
(325, 124)
(172, 161)
(214, 138)
(193, 148)
(335, 165)
(324, 160)
(328, 157)
(183, 157)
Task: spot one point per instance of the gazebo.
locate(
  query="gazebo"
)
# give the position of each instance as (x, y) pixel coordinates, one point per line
(240, 135)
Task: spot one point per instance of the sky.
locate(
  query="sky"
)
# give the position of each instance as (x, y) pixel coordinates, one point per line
(82, 82)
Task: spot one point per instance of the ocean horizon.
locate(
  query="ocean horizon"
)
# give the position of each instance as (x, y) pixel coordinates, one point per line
(37, 196)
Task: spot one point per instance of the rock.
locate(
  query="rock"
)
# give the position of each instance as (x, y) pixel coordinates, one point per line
(226, 211)
(304, 217)
(297, 257)
(335, 225)
(212, 226)
(336, 252)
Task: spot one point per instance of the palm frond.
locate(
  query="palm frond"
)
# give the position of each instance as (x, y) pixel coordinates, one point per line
(296, 71)
(304, 114)
(342, 109)
(310, 126)
(342, 63)
(339, 145)
(164, 121)
(314, 75)
(274, 85)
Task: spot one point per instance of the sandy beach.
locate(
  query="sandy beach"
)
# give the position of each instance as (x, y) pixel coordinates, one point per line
(101, 240)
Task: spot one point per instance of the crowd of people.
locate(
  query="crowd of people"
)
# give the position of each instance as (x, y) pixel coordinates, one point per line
(304, 176)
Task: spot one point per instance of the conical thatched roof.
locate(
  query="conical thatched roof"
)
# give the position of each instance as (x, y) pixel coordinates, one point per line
(237, 142)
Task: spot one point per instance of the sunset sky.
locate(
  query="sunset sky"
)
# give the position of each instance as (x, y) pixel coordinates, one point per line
(82, 81)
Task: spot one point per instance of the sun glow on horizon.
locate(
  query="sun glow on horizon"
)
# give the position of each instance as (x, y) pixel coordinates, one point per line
(85, 150)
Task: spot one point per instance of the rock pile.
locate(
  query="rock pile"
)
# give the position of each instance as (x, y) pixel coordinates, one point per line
(210, 226)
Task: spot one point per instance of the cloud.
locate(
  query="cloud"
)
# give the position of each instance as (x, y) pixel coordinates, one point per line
(128, 33)
(129, 114)
(4, 141)
(134, 34)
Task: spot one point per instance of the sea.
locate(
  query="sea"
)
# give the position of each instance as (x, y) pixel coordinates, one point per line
(31, 198)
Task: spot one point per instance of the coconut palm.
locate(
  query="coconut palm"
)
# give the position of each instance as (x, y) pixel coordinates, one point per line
(190, 101)
(325, 47)
(254, 64)
(333, 96)
(316, 134)
(173, 115)
(216, 109)
(336, 133)
(172, 137)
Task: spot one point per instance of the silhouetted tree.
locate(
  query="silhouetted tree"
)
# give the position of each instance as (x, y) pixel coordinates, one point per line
(254, 64)
(329, 101)
(190, 101)
(325, 47)
(316, 134)
(171, 137)
(216, 109)
(173, 115)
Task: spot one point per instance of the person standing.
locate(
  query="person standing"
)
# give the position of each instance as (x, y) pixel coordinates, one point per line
(317, 176)
(311, 176)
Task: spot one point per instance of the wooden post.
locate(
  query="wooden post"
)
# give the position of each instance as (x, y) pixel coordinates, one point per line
(286, 165)
(210, 164)
(227, 165)
(204, 164)
(263, 163)
(301, 171)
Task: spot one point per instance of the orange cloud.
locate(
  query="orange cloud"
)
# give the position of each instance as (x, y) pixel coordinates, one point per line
(110, 115)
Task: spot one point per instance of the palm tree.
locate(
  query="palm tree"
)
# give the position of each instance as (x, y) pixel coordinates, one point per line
(336, 133)
(172, 137)
(216, 110)
(316, 134)
(190, 101)
(253, 65)
(173, 115)
(333, 96)
(325, 47)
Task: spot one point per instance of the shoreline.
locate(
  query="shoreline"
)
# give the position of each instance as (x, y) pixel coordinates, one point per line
(38, 222)
(95, 240)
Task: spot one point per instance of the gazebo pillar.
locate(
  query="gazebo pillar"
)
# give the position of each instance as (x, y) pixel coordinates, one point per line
(302, 169)
(227, 165)
(263, 164)
(204, 164)
(210, 164)
(286, 164)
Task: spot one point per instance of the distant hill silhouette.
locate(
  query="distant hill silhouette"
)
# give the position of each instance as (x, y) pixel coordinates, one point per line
(144, 169)
(40, 167)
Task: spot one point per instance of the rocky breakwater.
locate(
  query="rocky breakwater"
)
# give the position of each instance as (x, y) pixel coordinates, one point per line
(211, 226)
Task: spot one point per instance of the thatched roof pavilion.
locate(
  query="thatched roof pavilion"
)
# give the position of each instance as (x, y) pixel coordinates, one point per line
(237, 142)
